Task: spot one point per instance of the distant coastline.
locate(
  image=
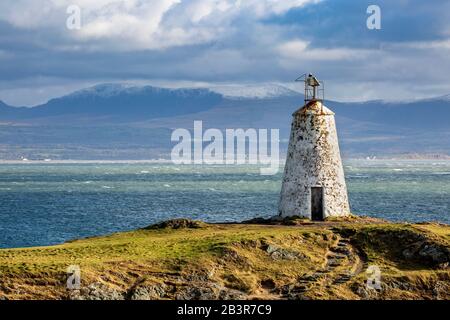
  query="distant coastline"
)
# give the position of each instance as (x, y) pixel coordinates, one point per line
(74, 161)
(409, 156)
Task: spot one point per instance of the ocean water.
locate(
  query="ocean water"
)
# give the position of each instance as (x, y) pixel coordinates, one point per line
(48, 203)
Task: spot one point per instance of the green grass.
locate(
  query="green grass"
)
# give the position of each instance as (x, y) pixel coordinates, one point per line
(236, 253)
(139, 246)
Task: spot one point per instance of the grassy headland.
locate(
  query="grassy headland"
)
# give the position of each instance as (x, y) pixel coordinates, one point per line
(260, 259)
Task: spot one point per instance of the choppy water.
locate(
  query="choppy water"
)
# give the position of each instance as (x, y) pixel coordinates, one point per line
(43, 204)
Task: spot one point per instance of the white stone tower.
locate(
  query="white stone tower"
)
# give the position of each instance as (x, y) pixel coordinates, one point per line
(313, 183)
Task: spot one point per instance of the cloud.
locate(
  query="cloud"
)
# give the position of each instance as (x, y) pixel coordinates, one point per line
(139, 24)
(423, 45)
(225, 42)
(296, 50)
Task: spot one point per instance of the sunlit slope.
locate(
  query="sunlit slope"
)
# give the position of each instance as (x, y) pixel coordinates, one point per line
(184, 259)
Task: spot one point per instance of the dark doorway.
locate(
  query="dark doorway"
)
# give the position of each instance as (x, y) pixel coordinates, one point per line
(317, 203)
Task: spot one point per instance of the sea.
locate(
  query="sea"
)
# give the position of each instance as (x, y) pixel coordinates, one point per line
(50, 203)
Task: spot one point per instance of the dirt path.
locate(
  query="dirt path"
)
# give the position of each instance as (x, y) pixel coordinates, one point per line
(342, 263)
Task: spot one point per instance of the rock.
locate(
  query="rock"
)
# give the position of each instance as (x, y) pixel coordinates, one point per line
(197, 293)
(437, 254)
(408, 253)
(96, 291)
(311, 277)
(339, 256)
(290, 221)
(428, 252)
(200, 276)
(343, 250)
(278, 253)
(333, 262)
(363, 293)
(258, 220)
(400, 285)
(231, 294)
(209, 291)
(148, 292)
(440, 289)
(178, 224)
(286, 289)
(294, 292)
(271, 249)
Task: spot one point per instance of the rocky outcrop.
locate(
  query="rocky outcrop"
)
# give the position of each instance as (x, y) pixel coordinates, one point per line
(432, 253)
(278, 253)
(178, 224)
(96, 291)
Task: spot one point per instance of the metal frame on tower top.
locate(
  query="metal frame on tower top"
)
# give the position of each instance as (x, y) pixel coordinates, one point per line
(314, 89)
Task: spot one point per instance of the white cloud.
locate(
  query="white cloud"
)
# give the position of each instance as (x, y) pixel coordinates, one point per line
(423, 45)
(143, 24)
(296, 50)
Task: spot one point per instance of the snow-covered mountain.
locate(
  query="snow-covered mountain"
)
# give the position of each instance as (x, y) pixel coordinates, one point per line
(254, 91)
(120, 103)
(125, 118)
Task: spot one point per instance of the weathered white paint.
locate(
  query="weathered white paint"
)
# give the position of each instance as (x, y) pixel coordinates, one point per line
(313, 160)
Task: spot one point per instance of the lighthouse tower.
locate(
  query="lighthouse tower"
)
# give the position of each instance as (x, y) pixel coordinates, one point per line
(313, 183)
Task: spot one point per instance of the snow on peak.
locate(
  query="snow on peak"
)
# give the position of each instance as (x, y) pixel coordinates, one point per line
(103, 90)
(253, 91)
(113, 89)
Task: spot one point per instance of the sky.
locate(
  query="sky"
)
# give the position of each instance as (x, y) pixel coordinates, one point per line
(179, 43)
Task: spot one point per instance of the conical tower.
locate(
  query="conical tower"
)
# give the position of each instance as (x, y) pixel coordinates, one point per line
(313, 183)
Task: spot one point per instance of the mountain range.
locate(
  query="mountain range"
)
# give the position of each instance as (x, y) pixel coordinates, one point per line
(119, 121)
